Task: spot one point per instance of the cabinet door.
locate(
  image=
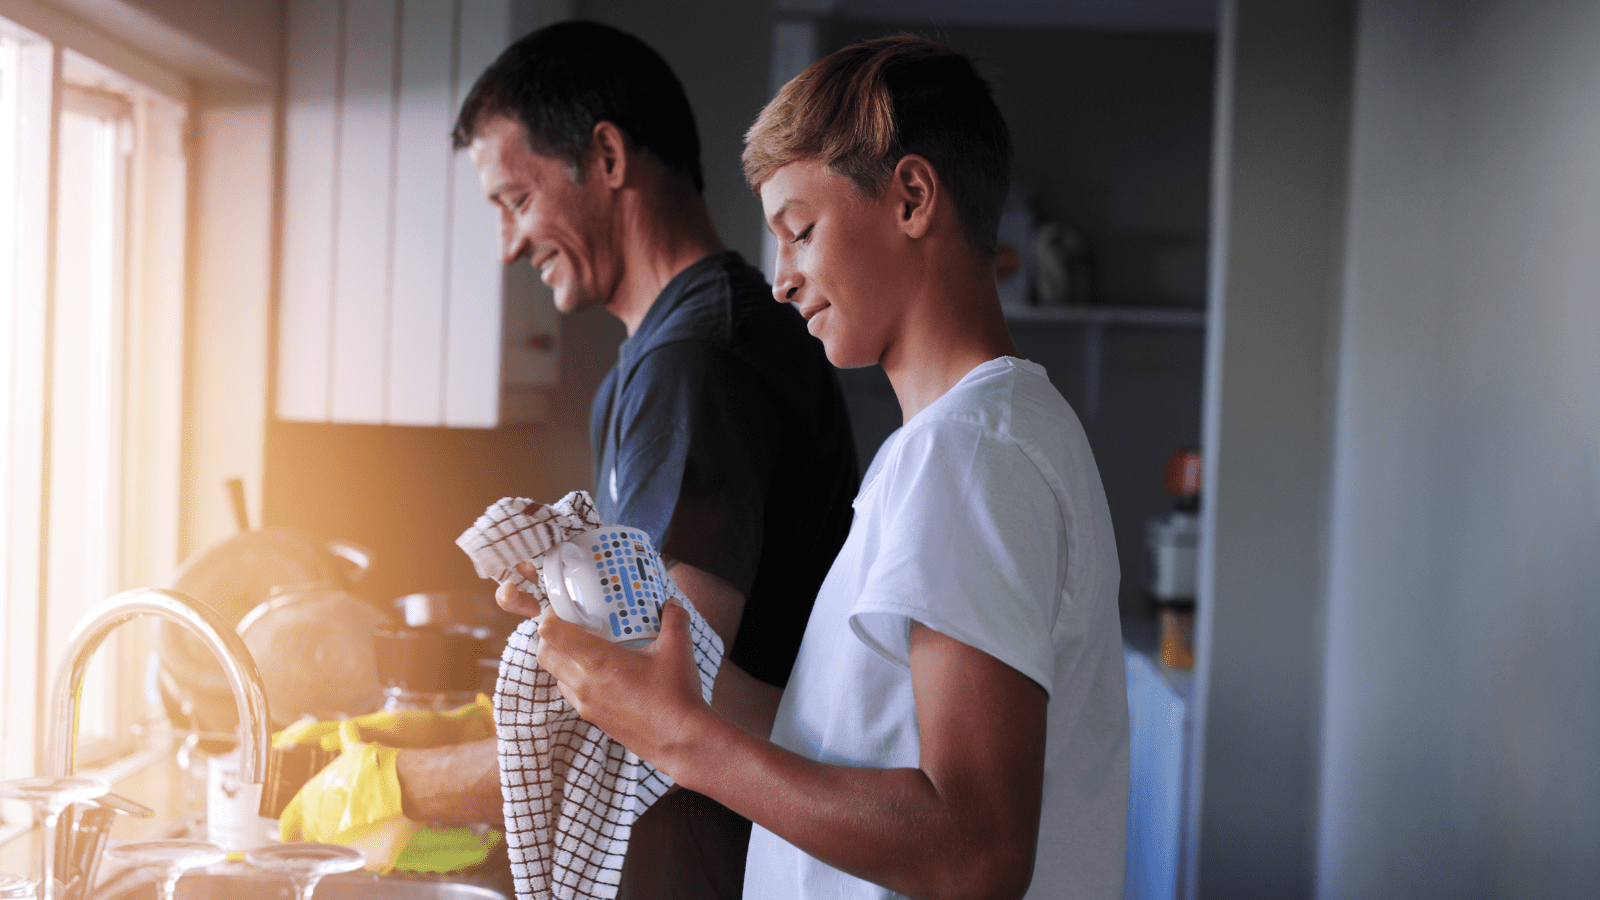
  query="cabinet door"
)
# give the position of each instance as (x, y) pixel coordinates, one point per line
(305, 285)
(394, 308)
(424, 169)
(472, 329)
(362, 212)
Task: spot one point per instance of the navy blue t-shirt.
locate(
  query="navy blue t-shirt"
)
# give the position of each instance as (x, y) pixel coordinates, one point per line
(723, 433)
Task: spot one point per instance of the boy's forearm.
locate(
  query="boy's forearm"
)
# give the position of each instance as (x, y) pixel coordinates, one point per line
(963, 823)
(458, 783)
(892, 827)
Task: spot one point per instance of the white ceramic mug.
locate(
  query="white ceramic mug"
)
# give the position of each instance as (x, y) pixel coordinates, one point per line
(610, 580)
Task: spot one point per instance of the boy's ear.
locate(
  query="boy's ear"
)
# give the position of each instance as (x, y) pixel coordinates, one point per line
(608, 154)
(917, 193)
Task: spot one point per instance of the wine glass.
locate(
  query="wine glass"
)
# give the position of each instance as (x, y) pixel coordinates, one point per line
(15, 886)
(306, 862)
(49, 795)
(169, 859)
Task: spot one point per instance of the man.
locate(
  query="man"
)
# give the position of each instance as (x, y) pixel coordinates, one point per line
(956, 724)
(721, 430)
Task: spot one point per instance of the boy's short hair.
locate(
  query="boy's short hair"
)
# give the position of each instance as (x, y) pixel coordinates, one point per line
(560, 81)
(859, 110)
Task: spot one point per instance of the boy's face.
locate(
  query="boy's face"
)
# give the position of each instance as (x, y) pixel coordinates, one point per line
(837, 251)
(562, 228)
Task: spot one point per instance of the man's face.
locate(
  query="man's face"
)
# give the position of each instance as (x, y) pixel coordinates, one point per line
(562, 228)
(835, 260)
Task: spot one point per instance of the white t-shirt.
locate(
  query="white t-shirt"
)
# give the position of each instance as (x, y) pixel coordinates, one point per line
(984, 519)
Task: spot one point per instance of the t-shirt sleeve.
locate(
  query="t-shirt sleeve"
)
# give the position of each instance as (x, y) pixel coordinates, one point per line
(971, 547)
(696, 445)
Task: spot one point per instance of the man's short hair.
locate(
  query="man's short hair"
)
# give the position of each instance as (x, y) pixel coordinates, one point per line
(859, 110)
(562, 80)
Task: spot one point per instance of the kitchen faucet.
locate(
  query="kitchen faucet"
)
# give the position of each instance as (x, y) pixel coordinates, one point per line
(249, 694)
(79, 854)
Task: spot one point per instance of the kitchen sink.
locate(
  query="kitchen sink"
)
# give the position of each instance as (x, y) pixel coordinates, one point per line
(248, 884)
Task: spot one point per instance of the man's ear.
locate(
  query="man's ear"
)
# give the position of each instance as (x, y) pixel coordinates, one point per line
(608, 154)
(917, 193)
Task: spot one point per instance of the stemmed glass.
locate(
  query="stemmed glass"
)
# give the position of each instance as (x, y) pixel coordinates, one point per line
(306, 862)
(168, 859)
(49, 795)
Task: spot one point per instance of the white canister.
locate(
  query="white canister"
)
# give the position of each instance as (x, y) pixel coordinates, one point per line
(233, 807)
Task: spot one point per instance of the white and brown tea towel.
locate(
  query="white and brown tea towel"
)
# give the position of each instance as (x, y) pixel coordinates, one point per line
(516, 529)
(571, 793)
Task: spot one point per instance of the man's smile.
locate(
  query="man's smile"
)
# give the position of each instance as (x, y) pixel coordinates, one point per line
(544, 263)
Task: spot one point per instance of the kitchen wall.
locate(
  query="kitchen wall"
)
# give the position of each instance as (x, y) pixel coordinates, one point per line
(1281, 159)
(406, 493)
(1112, 133)
(219, 41)
(1397, 666)
(1460, 726)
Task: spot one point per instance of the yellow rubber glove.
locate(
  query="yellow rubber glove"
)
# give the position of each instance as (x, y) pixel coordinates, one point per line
(355, 800)
(356, 791)
(399, 728)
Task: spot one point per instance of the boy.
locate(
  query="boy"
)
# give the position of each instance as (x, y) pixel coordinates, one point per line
(956, 724)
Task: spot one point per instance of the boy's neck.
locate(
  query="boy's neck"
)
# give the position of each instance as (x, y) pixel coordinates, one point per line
(954, 325)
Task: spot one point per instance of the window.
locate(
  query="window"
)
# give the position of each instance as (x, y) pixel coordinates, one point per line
(92, 197)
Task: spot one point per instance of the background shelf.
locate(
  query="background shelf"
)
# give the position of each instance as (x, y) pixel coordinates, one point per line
(1155, 316)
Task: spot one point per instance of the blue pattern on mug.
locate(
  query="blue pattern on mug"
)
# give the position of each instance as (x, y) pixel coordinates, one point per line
(633, 594)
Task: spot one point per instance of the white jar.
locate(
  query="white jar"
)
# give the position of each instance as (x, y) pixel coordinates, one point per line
(233, 818)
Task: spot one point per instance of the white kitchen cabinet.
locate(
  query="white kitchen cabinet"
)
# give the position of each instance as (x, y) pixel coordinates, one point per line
(393, 305)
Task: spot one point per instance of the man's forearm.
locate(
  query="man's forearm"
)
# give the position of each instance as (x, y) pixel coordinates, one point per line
(744, 700)
(458, 783)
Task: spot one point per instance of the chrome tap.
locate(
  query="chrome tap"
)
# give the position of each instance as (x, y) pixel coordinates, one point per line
(255, 735)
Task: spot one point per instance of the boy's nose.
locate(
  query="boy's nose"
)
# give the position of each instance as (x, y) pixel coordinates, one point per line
(786, 283)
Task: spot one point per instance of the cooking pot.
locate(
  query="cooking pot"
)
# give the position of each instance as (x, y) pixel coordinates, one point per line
(472, 610)
(233, 578)
(435, 660)
(314, 649)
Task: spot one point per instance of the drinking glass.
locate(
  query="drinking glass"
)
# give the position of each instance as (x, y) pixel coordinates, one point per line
(169, 859)
(49, 795)
(306, 862)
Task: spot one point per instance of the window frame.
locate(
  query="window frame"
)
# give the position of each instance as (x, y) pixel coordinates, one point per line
(58, 64)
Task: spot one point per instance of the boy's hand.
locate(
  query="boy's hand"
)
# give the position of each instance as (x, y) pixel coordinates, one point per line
(644, 699)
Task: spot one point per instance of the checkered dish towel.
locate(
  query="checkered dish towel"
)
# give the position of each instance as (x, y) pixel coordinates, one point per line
(571, 793)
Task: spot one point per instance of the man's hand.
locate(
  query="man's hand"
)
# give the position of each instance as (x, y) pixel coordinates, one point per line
(433, 766)
(519, 602)
(455, 784)
(645, 699)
